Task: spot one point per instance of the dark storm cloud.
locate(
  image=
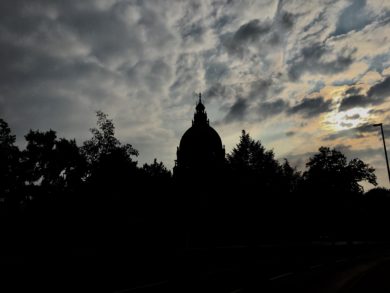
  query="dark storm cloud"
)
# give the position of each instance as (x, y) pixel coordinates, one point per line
(248, 33)
(353, 101)
(221, 91)
(346, 124)
(290, 133)
(364, 154)
(194, 31)
(376, 95)
(380, 90)
(342, 82)
(237, 111)
(141, 62)
(186, 80)
(269, 32)
(215, 71)
(287, 20)
(153, 73)
(379, 62)
(318, 20)
(354, 17)
(216, 90)
(378, 111)
(251, 31)
(318, 85)
(63, 60)
(311, 59)
(259, 89)
(268, 109)
(107, 35)
(310, 107)
(353, 91)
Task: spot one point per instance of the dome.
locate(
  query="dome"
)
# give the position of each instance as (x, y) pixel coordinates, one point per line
(203, 137)
(200, 146)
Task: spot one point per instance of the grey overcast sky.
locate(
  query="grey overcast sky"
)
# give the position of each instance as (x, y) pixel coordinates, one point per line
(295, 74)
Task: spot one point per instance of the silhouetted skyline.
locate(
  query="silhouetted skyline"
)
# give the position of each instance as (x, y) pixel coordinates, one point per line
(92, 216)
(296, 75)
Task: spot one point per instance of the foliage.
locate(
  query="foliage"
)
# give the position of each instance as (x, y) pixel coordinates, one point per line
(291, 178)
(253, 163)
(156, 170)
(103, 141)
(107, 158)
(9, 159)
(6, 138)
(250, 155)
(50, 162)
(330, 171)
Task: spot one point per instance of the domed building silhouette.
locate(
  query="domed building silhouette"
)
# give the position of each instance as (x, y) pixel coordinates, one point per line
(200, 152)
(199, 173)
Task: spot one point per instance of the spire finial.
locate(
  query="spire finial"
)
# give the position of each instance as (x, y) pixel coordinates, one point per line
(200, 98)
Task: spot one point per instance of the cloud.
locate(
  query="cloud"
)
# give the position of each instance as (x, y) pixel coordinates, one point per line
(216, 72)
(141, 62)
(353, 91)
(353, 101)
(260, 89)
(319, 58)
(251, 31)
(263, 35)
(357, 132)
(380, 90)
(272, 108)
(311, 107)
(317, 86)
(62, 61)
(353, 18)
(237, 111)
(364, 154)
(219, 90)
(353, 117)
(376, 95)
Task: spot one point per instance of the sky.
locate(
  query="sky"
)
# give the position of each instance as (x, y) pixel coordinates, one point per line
(296, 75)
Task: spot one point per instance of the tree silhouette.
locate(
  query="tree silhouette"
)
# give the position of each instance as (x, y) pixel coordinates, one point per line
(250, 156)
(38, 158)
(329, 171)
(112, 179)
(49, 162)
(70, 163)
(157, 170)
(104, 143)
(291, 178)
(332, 194)
(253, 164)
(109, 161)
(9, 165)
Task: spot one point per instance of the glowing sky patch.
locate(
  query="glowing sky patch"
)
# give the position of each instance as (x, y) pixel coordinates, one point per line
(336, 121)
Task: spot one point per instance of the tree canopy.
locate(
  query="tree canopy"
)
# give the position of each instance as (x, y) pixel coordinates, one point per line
(9, 159)
(255, 165)
(329, 171)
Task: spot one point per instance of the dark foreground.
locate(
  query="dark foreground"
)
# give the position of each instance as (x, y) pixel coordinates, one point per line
(298, 267)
